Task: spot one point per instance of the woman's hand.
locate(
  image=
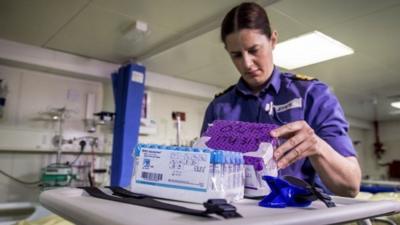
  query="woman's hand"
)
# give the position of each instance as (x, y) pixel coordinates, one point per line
(342, 175)
(301, 142)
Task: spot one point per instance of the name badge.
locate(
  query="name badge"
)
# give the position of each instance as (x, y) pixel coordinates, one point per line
(292, 104)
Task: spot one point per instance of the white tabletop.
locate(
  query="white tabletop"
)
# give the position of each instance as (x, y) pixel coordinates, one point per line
(75, 205)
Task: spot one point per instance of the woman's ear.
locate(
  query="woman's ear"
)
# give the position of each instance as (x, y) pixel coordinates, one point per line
(274, 38)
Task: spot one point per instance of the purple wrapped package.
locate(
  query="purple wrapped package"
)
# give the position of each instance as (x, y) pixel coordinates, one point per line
(239, 136)
(252, 139)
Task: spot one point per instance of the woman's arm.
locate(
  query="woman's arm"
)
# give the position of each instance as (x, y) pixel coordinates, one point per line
(342, 175)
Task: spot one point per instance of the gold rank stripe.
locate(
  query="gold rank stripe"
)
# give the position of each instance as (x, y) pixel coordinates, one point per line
(304, 77)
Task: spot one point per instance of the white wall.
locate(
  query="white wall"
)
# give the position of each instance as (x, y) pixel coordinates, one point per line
(31, 95)
(161, 109)
(24, 127)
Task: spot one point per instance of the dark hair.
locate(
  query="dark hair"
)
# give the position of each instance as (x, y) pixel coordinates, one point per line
(248, 15)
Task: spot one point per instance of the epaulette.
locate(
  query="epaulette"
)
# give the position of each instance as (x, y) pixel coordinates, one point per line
(224, 91)
(303, 77)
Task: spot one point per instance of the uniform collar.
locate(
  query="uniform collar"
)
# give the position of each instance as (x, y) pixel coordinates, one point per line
(274, 82)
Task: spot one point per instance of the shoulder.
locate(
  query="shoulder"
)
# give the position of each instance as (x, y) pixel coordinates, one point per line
(304, 85)
(225, 92)
(299, 80)
(303, 77)
(298, 77)
(222, 97)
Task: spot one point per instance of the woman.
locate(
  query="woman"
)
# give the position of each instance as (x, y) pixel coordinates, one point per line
(318, 148)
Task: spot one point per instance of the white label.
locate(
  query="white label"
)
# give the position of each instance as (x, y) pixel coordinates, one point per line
(251, 180)
(137, 77)
(265, 151)
(294, 103)
(254, 184)
(173, 169)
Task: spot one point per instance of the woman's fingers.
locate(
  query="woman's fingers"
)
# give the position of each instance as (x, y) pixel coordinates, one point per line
(291, 143)
(289, 128)
(300, 151)
(301, 143)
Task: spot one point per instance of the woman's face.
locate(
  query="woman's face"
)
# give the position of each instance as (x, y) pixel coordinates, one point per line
(251, 52)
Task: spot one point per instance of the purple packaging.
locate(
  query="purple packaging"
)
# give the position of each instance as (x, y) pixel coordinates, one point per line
(239, 136)
(255, 161)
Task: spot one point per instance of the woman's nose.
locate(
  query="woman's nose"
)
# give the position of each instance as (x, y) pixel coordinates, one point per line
(247, 61)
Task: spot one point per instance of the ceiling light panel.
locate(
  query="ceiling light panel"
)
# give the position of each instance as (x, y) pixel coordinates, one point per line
(308, 49)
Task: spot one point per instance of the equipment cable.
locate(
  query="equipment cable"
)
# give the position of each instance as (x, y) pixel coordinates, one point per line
(18, 180)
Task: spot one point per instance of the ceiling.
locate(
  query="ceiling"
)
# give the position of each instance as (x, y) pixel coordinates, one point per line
(184, 40)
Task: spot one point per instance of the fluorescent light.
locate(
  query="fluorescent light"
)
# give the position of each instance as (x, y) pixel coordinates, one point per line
(308, 49)
(395, 104)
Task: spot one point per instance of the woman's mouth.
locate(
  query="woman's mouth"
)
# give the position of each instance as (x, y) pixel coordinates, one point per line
(253, 72)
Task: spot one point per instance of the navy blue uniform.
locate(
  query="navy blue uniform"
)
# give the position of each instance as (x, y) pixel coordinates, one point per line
(287, 98)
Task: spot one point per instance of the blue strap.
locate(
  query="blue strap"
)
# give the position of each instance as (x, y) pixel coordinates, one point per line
(284, 194)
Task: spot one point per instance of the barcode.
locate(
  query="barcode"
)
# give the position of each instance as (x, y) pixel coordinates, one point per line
(152, 176)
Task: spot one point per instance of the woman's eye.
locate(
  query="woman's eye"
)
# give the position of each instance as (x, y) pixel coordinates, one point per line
(253, 51)
(236, 56)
